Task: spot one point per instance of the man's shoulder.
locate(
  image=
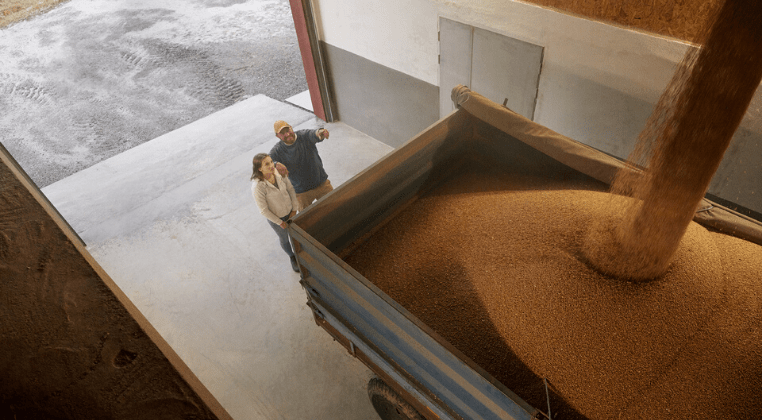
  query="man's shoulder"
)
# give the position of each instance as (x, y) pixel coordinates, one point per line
(279, 151)
(276, 147)
(305, 131)
(309, 134)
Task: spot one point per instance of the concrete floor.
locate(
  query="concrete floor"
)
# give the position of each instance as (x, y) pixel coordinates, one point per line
(173, 222)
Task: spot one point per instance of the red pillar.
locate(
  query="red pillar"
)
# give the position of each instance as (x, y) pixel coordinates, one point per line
(302, 34)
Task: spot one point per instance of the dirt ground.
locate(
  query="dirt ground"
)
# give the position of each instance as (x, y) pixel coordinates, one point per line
(12, 11)
(89, 79)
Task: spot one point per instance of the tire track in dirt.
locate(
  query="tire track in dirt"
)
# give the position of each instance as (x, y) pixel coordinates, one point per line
(204, 79)
(24, 88)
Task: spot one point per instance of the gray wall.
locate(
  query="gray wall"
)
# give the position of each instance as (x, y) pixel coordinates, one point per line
(385, 104)
(595, 114)
(611, 120)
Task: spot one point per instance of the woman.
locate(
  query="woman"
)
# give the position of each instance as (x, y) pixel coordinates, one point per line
(276, 199)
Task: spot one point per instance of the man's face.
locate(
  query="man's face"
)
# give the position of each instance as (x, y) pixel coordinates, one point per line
(287, 135)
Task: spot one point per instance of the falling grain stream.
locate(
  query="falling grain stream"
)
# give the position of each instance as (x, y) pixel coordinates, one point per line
(682, 146)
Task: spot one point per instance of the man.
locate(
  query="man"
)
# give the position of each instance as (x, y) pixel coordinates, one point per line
(298, 152)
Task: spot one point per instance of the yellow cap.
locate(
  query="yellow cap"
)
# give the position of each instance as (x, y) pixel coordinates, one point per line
(279, 125)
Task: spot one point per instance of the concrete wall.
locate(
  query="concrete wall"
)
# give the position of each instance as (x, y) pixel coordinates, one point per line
(598, 82)
(389, 105)
(73, 345)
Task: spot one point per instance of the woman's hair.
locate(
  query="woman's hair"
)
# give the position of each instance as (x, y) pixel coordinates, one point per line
(257, 165)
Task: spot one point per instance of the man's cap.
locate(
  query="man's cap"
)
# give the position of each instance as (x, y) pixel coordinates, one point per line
(279, 125)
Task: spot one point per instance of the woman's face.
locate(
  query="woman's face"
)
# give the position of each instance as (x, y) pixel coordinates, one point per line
(267, 167)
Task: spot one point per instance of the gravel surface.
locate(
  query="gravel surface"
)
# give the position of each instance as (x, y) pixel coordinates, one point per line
(90, 79)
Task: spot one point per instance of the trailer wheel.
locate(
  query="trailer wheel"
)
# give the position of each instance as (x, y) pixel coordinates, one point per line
(388, 404)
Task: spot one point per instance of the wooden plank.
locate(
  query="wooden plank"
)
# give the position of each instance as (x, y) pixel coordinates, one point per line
(682, 19)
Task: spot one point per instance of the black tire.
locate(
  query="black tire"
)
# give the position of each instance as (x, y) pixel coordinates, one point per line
(388, 404)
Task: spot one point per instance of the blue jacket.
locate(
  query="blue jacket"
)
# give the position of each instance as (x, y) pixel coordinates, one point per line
(305, 168)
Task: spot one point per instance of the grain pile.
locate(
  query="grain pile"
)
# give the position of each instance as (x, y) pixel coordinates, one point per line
(682, 146)
(493, 263)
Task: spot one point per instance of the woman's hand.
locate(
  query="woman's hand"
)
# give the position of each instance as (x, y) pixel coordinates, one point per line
(284, 225)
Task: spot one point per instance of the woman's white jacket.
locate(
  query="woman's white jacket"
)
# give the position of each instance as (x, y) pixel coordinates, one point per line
(275, 202)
